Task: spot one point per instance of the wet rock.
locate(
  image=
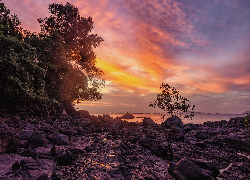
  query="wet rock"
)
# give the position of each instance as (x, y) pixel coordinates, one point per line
(187, 170)
(27, 152)
(206, 165)
(25, 134)
(202, 135)
(160, 150)
(62, 155)
(37, 140)
(61, 139)
(5, 140)
(7, 163)
(47, 166)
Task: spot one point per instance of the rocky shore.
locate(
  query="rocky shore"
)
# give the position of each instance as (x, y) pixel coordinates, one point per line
(90, 147)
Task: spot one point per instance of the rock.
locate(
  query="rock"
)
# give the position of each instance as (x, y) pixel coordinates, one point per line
(61, 139)
(206, 165)
(5, 140)
(47, 166)
(188, 128)
(43, 152)
(202, 135)
(25, 134)
(7, 163)
(43, 177)
(147, 143)
(62, 155)
(148, 122)
(88, 148)
(16, 166)
(180, 129)
(160, 150)
(37, 140)
(173, 121)
(187, 170)
(127, 116)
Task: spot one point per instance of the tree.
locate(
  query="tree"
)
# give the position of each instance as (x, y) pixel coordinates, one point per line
(247, 121)
(65, 50)
(9, 24)
(22, 84)
(173, 104)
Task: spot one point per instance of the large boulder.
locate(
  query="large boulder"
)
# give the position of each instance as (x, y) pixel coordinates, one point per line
(210, 165)
(8, 163)
(173, 121)
(37, 139)
(188, 170)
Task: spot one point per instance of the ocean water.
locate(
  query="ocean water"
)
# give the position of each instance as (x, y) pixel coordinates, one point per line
(197, 119)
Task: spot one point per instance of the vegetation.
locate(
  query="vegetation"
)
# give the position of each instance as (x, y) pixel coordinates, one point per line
(247, 121)
(169, 101)
(54, 67)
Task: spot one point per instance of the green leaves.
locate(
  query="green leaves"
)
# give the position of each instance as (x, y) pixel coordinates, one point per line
(169, 101)
(247, 120)
(21, 79)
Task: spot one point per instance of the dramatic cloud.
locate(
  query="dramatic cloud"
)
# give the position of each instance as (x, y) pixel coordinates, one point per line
(199, 47)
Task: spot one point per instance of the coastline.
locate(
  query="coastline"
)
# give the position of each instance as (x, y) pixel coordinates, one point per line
(90, 147)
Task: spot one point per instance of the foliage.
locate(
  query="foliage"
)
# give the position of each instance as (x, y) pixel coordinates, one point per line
(247, 121)
(65, 50)
(172, 103)
(21, 79)
(9, 24)
(22, 84)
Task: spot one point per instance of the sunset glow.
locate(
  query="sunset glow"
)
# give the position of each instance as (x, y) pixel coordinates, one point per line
(199, 47)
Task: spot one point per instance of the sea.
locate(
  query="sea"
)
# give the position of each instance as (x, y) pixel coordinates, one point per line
(197, 118)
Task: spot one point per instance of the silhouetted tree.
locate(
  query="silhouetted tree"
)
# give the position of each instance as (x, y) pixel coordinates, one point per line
(65, 50)
(172, 103)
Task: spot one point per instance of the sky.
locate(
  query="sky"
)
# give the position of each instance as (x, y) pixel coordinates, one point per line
(200, 47)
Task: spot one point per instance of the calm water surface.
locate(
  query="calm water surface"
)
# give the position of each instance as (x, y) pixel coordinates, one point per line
(197, 119)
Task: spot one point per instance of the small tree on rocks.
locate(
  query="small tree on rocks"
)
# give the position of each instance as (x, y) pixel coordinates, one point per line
(170, 102)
